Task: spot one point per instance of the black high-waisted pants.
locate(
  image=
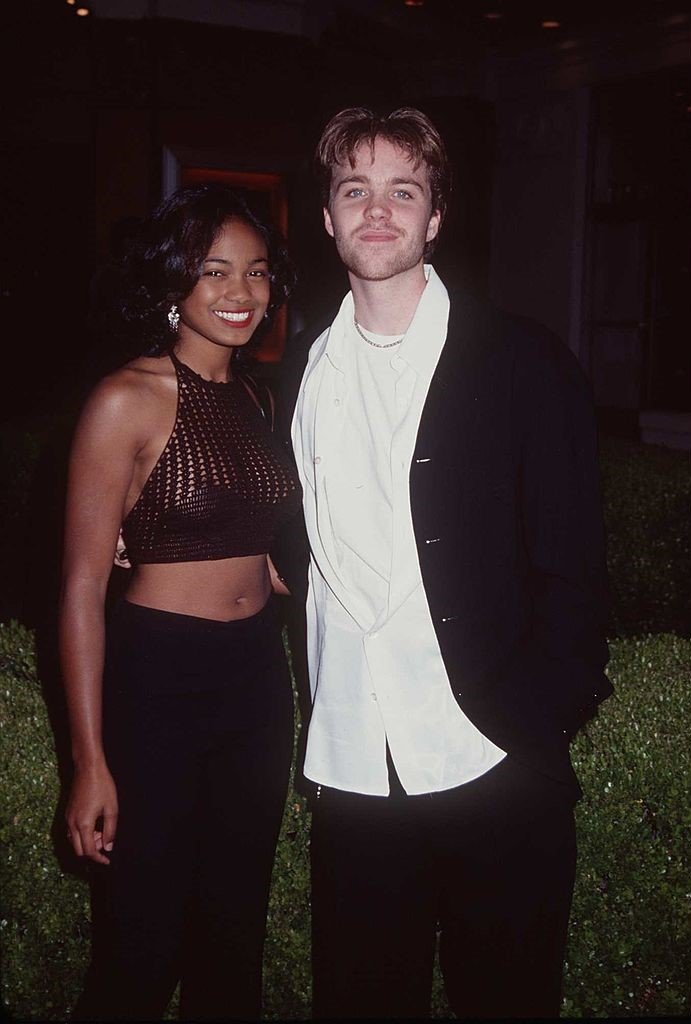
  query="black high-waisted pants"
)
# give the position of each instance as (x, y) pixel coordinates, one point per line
(198, 732)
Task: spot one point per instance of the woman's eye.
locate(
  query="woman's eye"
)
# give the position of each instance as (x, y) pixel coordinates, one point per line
(258, 273)
(213, 273)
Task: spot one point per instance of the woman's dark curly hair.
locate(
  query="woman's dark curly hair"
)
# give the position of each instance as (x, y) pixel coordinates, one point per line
(165, 261)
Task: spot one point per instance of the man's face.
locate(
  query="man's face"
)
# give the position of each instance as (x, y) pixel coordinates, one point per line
(380, 212)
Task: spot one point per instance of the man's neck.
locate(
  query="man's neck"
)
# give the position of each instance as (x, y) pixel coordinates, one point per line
(387, 307)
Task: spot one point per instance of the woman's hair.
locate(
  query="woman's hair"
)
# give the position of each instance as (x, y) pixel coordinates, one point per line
(165, 261)
(406, 127)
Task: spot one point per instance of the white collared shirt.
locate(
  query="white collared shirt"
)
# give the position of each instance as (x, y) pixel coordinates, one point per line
(376, 671)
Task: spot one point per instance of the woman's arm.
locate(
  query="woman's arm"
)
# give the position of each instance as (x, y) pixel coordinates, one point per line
(102, 462)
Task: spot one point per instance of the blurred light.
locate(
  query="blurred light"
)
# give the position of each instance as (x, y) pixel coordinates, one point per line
(492, 15)
(414, 3)
(83, 12)
(71, 2)
(550, 23)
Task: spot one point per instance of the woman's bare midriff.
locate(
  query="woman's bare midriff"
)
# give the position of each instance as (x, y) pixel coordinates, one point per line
(222, 589)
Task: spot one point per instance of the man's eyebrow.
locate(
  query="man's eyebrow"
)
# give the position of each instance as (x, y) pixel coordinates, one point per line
(352, 177)
(362, 179)
(407, 181)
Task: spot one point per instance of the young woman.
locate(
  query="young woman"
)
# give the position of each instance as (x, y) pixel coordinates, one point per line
(180, 706)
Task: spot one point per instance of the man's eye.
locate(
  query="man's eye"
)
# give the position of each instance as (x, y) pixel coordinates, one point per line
(355, 192)
(402, 194)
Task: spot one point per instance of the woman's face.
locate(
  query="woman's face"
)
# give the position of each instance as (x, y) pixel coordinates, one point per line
(230, 298)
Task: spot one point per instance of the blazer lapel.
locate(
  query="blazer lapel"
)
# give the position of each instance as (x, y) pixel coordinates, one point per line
(452, 405)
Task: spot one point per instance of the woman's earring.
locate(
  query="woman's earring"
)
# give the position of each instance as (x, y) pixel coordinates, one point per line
(173, 317)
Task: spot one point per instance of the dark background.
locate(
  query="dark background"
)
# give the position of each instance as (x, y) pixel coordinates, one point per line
(570, 145)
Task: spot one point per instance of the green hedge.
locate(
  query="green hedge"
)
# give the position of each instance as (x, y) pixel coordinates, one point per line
(647, 499)
(630, 946)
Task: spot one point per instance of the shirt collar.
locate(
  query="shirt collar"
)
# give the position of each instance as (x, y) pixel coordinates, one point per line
(423, 340)
(425, 337)
(335, 343)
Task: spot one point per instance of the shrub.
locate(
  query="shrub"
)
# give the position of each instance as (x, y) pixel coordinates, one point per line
(45, 912)
(287, 973)
(630, 945)
(33, 469)
(647, 498)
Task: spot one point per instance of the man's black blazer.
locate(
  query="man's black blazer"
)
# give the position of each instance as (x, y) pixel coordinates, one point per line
(505, 499)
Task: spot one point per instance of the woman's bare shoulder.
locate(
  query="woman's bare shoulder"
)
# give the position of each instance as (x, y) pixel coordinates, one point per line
(144, 377)
(145, 373)
(137, 393)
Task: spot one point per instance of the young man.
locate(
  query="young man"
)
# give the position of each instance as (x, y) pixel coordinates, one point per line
(454, 619)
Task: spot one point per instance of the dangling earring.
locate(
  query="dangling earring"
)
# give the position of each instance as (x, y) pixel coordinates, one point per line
(173, 317)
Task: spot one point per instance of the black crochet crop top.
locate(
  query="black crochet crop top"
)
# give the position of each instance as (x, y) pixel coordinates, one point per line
(222, 485)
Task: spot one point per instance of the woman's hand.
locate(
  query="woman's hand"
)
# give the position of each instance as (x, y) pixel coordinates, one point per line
(278, 584)
(93, 799)
(121, 558)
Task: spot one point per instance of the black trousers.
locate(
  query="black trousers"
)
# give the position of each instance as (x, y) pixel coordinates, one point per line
(198, 733)
(489, 865)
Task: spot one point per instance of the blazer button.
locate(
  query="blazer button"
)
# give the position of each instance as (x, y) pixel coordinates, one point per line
(433, 540)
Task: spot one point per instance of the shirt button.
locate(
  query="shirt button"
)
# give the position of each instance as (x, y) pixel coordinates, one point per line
(337, 401)
(317, 459)
(374, 696)
(373, 636)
